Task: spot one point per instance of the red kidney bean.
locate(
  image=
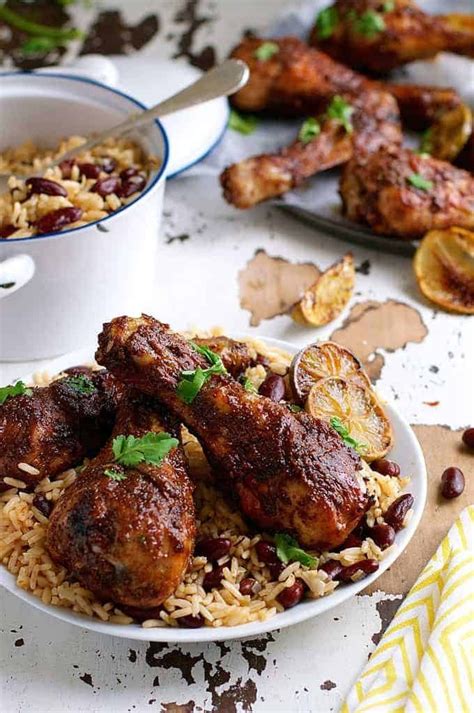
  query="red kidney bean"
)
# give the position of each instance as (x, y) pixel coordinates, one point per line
(333, 568)
(7, 230)
(66, 167)
(290, 596)
(4, 486)
(106, 186)
(468, 437)
(249, 586)
(273, 387)
(386, 467)
(44, 185)
(361, 569)
(191, 622)
(276, 568)
(42, 504)
(128, 173)
(57, 219)
(266, 552)
(397, 511)
(452, 483)
(141, 614)
(108, 164)
(89, 170)
(131, 186)
(213, 548)
(212, 579)
(383, 535)
(352, 540)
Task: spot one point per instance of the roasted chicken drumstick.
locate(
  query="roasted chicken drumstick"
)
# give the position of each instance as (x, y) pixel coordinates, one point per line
(398, 192)
(288, 471)
(377, 36)
(127, 533)
(53, 428)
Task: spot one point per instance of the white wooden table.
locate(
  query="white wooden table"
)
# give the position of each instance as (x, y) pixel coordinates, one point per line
(51, 666)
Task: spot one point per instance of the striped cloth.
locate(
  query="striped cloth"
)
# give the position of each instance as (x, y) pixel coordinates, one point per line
(424, 662)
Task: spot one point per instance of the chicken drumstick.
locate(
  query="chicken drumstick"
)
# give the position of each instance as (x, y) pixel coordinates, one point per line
(53, 428)
(288, 471)
(127, 533)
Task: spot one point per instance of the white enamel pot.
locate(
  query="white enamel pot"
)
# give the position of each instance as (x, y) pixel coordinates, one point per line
(57, 289)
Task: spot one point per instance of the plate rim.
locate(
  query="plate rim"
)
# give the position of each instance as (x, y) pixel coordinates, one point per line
(307, 610)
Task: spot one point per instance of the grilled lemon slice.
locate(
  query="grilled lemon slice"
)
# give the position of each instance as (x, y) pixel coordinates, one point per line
(444, 269)
(355, 407)
(446, 138)
(320, 360)
(326, 299)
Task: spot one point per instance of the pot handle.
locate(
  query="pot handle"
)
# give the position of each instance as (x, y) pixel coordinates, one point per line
(93, 66)
(15, 272)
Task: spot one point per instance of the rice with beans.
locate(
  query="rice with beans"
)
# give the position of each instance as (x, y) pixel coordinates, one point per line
(80, 184)
(24, 519)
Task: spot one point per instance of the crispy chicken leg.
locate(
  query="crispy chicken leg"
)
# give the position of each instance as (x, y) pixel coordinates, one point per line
(398, 192)
(374, 36)
(128, 540)
(288, 471)
(55, 427)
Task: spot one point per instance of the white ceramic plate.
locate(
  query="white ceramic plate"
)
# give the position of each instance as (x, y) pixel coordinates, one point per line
(407, 453)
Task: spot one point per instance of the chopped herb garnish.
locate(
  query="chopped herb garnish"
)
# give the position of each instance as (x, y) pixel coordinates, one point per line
(41, 38)
(370, 23)
(248, 386)
(117, 475)
(343, 431)
(40, 45)
(82, 384)
(288, 550)
(388, 6)
(326, 22)
(425, 146)
(294, 408)
(342, 111)
(309, 130)
(266, 51)
(150, 448)
(424, 184)
(192, 381)
(18, 389)
(243, 124)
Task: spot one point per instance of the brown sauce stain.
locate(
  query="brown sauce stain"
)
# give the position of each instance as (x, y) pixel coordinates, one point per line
(270, 286)
(110, 34)
(192, 20)
(389, 325)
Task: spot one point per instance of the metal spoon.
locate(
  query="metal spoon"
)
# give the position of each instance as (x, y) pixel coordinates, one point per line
(220, 81)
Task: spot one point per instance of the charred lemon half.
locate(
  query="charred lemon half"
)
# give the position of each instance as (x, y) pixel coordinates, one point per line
(325, 300)
(444, 269)
(446, 138)
(321, 360)
(358, 410)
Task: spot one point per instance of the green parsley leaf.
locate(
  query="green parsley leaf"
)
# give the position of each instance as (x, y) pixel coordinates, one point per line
(369, 24)
(115, 474)
(424, 184)
(150, 448)
(343, 431)
(82, 384)
(294, 408)
(243, 124)
(248, 386)
(388, 6)
(40, 45)
(266, 51)
(192, 381)
(326, 22)
(342, 111)
(309, 130)
(288, 550)
(18, 389)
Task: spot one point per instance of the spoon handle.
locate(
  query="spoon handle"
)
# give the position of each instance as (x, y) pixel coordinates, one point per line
(220, 81)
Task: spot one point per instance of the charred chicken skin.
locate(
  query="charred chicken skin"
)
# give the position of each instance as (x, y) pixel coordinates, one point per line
(287, 471)
(55, 427)
(398, 192)
(128, 540)
(236, 356)
(374, 36)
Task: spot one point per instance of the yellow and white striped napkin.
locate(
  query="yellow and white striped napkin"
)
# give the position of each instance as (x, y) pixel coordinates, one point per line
(424, 662)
